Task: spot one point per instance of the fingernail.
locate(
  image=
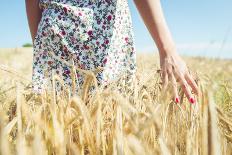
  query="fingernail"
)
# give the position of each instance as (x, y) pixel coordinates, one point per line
(192, 100)
(177, 100)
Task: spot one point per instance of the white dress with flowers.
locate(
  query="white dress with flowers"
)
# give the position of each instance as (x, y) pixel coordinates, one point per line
(88, 33)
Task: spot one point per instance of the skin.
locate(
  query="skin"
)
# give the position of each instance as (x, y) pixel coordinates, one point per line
(173, 68)
(34, 14)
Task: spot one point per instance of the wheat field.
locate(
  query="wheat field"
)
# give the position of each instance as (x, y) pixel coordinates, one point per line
(108, 122)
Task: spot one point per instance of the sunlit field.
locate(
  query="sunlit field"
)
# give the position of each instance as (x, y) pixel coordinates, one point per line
(108, 122)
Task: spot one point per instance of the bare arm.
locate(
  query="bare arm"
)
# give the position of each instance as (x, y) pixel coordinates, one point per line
(173, 67)
(152, 14)
(34, 14)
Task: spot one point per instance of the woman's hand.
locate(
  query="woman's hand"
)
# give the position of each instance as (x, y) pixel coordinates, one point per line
(174, 71)
(173, 67)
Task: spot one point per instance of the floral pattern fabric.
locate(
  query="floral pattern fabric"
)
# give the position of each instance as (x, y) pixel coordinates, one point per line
(88, 33)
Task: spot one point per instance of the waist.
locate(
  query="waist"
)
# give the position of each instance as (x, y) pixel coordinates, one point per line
(45, 4)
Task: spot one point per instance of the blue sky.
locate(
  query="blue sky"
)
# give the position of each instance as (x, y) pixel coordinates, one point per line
(198, 27)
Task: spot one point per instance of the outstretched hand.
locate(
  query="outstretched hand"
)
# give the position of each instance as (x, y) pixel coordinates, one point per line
(174, 71)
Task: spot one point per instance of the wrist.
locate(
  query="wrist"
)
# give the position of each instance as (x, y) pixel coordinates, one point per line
(167, 51)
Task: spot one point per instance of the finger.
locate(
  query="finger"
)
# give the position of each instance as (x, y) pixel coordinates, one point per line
(164, 80)
(176, 75)
(192, 83)
(186, 89)
(174, 87)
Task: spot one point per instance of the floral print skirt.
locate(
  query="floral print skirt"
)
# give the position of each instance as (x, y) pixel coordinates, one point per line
(89, 34)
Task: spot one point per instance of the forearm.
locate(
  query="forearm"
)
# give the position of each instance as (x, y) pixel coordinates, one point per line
(152, 15)
(34, 14)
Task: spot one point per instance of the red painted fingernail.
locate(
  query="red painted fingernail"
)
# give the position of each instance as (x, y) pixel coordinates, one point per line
(177, 100)
(192, 100)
